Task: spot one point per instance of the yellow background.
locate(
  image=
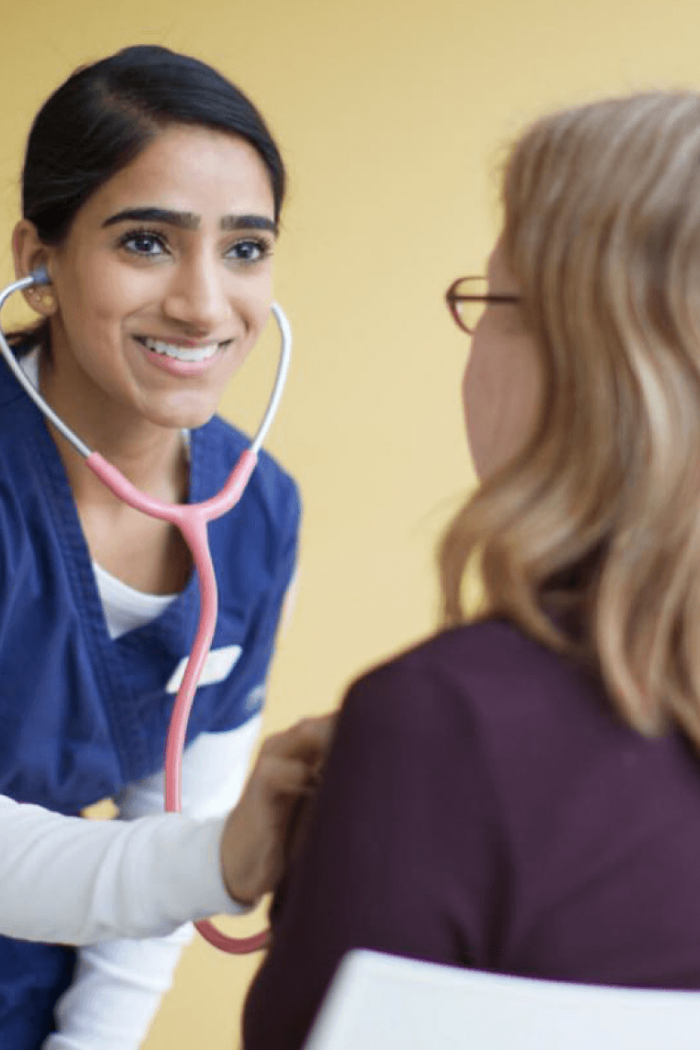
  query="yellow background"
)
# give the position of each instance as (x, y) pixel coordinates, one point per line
(392, 115)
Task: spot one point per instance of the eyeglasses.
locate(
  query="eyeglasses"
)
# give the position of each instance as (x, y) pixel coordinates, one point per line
(467, 298)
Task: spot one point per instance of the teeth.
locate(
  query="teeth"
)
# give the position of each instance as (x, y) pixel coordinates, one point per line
(202, 353)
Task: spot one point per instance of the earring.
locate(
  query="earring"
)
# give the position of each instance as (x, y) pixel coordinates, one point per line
(44, 300)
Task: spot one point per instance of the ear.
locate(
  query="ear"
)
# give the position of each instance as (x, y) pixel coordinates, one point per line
(29, 253)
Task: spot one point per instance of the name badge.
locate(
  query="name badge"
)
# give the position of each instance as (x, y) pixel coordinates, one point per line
(217, 666)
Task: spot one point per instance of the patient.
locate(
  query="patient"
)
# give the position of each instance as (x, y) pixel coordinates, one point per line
(521, 792)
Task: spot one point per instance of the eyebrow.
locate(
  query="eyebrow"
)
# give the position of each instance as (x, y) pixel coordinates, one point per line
(187, 220)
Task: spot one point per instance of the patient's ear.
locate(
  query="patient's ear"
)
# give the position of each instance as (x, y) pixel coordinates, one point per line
(29, 253)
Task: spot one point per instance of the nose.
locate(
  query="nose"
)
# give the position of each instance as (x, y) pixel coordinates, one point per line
(197, 295)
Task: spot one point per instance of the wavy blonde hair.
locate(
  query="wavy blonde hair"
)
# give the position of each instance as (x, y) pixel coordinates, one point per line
(589, 539)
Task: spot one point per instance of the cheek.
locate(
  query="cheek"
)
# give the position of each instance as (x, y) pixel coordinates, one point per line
(501, 393)
(479, 403)
(478, 382)
(254, 304)
(91, 296)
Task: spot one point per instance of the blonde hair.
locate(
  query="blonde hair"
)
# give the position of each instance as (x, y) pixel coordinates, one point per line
(589, 539)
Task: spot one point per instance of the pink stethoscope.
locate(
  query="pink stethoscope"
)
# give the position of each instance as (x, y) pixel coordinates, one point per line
(191, 519)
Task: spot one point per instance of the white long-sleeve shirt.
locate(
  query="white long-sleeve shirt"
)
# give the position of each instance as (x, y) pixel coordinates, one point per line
(92, 882)
(164, 870)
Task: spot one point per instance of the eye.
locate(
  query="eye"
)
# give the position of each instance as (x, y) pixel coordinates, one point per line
(250, 250)
(146, 243)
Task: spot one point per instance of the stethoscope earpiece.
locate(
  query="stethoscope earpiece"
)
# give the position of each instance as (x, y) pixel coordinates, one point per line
(40, 276)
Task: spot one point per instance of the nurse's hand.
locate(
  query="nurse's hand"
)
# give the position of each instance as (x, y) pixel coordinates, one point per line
(255, 842)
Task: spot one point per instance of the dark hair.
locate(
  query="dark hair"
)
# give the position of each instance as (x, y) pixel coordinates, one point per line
(104, 115)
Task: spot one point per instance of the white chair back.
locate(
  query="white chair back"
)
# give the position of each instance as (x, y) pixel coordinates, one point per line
(381, 1002)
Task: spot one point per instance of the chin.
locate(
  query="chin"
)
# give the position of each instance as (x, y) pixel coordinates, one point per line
(183, 417)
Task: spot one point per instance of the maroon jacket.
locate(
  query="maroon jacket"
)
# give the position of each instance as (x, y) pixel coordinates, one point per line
(483, 806)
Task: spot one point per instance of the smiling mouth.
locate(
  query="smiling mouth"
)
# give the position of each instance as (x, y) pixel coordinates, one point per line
(181, 353)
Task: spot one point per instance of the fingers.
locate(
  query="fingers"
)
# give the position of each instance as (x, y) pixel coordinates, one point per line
(256, 838)
(290, 762)
(285, 776)
(307, 741)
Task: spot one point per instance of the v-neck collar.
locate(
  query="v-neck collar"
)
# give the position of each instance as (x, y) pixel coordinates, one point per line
(74, 543)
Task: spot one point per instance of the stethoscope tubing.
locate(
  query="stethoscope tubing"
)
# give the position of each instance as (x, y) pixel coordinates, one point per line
(192, 520)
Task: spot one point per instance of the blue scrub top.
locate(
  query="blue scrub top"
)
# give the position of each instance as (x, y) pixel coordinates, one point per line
(81, 715)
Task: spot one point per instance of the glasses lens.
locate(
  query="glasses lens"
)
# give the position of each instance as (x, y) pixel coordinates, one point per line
(470, 310)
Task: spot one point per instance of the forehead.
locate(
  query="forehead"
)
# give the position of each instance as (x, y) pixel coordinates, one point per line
(193, 169)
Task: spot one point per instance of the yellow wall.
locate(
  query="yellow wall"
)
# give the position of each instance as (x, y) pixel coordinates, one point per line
(392, 115)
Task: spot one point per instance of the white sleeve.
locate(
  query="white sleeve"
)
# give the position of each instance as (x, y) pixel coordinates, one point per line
(71, 881)
(118, 985)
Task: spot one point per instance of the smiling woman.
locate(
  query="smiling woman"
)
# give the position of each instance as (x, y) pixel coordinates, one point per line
(158, 280)
(151, 197)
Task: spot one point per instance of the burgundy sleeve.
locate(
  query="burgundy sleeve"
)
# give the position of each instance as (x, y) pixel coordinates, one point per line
(399, 853)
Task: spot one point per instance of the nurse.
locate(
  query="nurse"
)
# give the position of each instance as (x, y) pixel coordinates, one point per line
(151, 191)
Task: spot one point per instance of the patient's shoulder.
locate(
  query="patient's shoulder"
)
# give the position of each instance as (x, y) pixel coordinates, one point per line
(483, 658)
(490, 673)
